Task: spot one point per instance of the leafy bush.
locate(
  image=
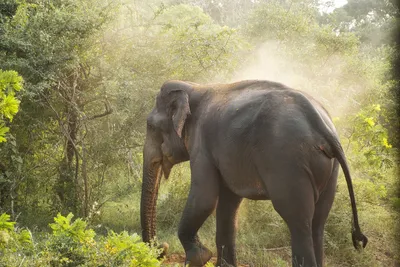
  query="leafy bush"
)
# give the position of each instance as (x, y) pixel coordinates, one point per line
(367, 137)
(127, 250)
(72, 244)
(12, 240)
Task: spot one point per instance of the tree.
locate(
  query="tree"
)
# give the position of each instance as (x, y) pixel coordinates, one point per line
(49, 44)
(89, 76)
(372, 21)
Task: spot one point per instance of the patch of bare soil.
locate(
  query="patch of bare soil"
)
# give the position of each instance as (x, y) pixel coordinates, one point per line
(179, 260)
(173, 259)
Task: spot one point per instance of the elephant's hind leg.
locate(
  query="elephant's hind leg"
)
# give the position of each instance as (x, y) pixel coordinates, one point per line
(293, 198)
(203, 197)
(322, 208)
(228, 205)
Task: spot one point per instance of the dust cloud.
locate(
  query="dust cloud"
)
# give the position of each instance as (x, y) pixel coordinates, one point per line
(324, 78)
(268, 64)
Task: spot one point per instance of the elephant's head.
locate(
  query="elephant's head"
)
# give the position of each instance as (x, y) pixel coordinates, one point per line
(164, 147)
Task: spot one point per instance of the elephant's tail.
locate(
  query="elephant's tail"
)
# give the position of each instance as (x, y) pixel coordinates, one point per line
(315, 118)
(357, 235)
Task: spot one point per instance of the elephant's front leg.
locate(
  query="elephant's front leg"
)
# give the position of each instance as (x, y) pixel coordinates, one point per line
(203, 197)
(228, 205)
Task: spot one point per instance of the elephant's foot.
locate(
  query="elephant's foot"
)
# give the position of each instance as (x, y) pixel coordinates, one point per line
(223, 263)
(198, 256)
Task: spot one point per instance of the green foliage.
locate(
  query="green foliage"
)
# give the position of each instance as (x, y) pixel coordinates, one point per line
(294, 22)
(7, 9)
(128, 250)
(372, 21)
(185, 44)
(51, 44)
(5, 228)
(10, 83)
(368, 140)
(12, 241)
(5, 223)
(200, 45)
(72, 244)
(62, 227)
(328, 42)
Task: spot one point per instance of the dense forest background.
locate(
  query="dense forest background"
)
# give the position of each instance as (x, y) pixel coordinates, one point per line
(77, 79)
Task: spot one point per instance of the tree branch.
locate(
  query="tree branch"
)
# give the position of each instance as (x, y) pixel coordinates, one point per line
(108, 111)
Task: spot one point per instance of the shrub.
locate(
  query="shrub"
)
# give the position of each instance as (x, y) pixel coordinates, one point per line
(71, 243)
(12, 241)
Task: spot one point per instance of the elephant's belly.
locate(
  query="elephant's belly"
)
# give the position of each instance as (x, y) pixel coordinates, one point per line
(245, 183)
(253, 194)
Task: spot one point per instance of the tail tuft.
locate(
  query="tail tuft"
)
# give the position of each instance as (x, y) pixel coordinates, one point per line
(357, 237)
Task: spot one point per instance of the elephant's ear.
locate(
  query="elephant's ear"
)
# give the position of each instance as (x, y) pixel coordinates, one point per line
(180, 109)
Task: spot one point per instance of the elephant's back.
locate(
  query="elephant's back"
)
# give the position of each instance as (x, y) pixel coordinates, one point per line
(267, 112)
(261, 119)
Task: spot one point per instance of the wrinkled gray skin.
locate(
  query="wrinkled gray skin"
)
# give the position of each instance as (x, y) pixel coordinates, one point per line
(252, 139)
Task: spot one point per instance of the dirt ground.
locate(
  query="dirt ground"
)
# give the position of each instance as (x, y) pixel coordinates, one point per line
(179, 259)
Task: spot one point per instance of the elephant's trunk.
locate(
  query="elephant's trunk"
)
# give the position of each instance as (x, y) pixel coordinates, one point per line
(152, 172)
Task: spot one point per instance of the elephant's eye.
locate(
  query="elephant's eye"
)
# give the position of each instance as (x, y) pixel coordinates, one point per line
(150, 126)
(156, 123)
(150, 122)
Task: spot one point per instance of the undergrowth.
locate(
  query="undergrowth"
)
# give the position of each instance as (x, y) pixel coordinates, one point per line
(70, 244)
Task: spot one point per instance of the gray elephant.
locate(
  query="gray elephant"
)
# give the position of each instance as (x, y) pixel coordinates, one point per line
(259, 140)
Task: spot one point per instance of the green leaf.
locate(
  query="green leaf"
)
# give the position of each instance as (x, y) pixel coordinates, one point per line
(9, 106)
(5, 223)
(3, 131)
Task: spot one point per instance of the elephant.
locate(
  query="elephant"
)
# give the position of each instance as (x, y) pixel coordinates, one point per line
(253, 139)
